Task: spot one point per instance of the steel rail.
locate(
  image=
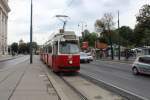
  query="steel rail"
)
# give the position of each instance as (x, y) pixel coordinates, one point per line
(74, 89)
(59, 98)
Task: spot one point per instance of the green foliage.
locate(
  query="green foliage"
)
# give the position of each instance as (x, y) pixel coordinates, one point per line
(138, 37)
(23, 48)
(103, 40)
(86, 34)
(141, 31)
(115, 36)
(126, 35)
(144, 16)
(90, 37)
(34, 46)
(14, 47)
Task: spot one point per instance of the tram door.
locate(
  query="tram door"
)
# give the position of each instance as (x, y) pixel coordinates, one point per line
(55, 54)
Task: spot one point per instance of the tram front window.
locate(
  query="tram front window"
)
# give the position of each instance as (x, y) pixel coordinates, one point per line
(68, 48)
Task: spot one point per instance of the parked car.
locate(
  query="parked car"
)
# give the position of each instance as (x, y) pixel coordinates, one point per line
(90, 56)
(84, 57)
(141, 65)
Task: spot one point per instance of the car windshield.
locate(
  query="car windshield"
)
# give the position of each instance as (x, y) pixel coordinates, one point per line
(68, 48)
(83, 54)
(144, 60)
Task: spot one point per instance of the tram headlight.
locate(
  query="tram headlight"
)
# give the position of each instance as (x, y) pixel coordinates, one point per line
(70, 62)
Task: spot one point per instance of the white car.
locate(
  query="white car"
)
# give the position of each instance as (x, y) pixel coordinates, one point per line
(141, 65)
(84, 57)
(90, 56)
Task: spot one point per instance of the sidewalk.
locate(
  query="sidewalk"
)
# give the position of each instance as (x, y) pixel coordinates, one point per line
(34, 85)
(122, 59)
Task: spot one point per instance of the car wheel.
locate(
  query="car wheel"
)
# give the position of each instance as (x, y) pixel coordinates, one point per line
(135, 71)
(88, 61)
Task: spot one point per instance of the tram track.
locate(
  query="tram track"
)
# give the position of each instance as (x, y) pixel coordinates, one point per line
(18, 82)
(9, 73)
(7, 69)
(74, 89)
(68, 85)
(88, 90)
(59, 98)
(64, 90)
(7, 76)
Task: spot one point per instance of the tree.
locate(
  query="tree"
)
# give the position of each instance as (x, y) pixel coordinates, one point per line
(89, 37)
(142, 28)
(92, 38)
(86, 35)
(104, 26)
(34, 46)
(23, 48)
(126, 35)
(14, 47)
(144, 16)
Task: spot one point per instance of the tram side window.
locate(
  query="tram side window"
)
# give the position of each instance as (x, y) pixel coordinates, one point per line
(49, 49)
(55, 48)
(46, 50)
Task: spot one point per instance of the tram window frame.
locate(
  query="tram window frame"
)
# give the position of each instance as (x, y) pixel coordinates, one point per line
(71, 42)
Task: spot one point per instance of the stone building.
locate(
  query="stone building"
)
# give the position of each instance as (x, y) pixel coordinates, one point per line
(4, 10)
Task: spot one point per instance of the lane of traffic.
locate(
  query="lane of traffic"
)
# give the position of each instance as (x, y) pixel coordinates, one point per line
(10, 76)
(10, 63)
(120, 78)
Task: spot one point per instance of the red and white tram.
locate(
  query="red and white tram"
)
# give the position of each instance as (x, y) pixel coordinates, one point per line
(61, 52)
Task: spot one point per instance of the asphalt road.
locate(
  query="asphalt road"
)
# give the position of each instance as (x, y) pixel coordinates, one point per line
(120, 75)
(10, 75)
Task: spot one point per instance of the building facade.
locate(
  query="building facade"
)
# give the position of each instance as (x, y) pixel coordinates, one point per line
(4, 10)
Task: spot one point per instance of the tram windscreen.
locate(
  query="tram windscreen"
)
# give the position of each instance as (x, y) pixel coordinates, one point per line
(68, 48)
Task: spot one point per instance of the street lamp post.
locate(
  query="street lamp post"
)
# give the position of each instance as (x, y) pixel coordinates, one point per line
(82, 25)
(3, 51)
(31, 58)
(119, 37)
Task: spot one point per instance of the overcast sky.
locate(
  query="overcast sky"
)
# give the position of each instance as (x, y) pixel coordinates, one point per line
(44, 21)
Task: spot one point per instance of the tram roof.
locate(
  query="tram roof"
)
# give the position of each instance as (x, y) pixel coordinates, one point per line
(58, 35)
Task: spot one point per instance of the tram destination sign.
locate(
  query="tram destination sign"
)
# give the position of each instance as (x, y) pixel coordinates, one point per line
(70, 37)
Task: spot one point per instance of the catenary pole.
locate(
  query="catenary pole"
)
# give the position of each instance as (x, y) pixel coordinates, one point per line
(119, 37)
(31, 34)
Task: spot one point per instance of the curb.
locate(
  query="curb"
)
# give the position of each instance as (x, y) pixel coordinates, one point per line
(124, 93)
(57, 87)
(125, 62)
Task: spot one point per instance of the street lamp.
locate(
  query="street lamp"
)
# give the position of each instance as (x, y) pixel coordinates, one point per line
(31, 58)
(82, 25)
(119, 37)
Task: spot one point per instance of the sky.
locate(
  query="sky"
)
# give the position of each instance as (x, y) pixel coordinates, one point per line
(79, 11)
